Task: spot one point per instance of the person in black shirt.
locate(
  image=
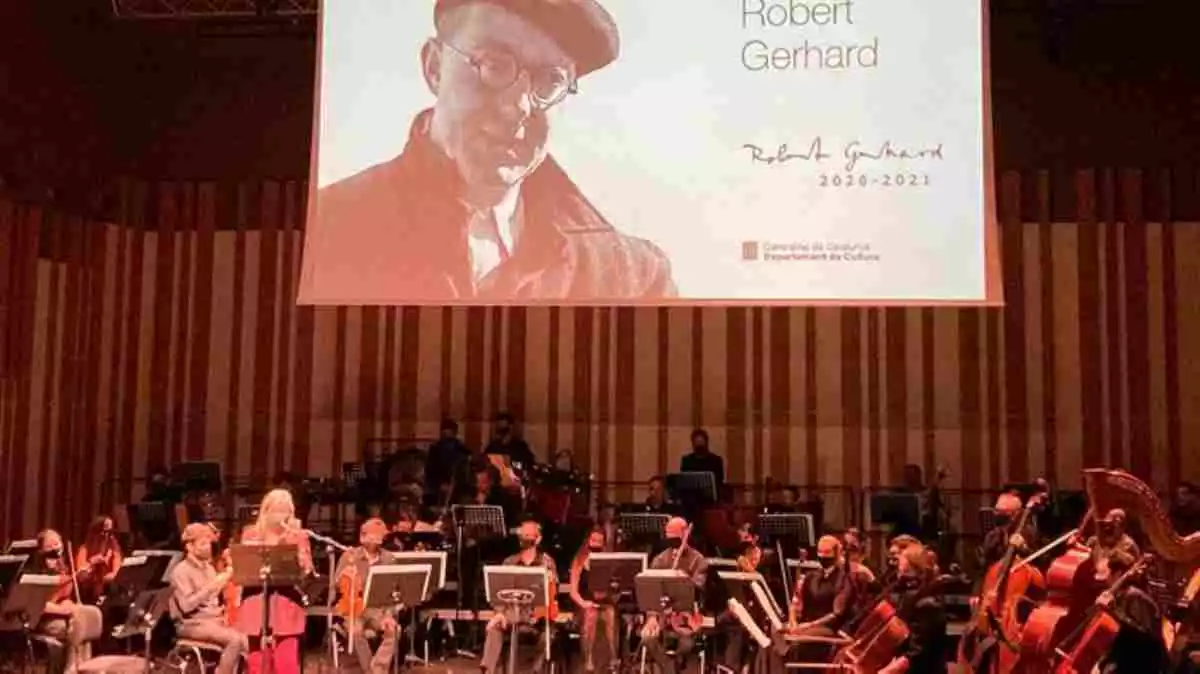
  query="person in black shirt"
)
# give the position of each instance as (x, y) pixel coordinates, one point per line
(821, 601)
(921, 608)
(1138, 647)
(442, 458)
(1007, 509)
(702, 459)
(656, 499)
(506, 442)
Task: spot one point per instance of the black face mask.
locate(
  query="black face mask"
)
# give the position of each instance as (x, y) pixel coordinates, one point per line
(827, 562)
(1003, 520)
(674, 542)
(53, 554)
(527, 543)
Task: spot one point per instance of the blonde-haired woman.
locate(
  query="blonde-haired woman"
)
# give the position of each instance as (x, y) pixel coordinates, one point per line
(276, 525)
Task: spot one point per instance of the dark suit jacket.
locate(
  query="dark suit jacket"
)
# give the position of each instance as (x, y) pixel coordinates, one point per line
(397, 233)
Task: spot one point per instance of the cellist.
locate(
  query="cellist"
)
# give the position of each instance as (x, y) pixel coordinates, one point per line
(351, 575)
(1138, 647)
(996, 542)
(921, 608)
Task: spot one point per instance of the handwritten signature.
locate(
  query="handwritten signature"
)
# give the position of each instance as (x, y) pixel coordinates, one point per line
(853, 153)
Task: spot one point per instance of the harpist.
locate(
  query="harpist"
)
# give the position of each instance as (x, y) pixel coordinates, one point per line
(759, 56)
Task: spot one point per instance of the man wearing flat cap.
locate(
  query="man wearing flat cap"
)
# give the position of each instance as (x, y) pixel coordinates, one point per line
(474, 208)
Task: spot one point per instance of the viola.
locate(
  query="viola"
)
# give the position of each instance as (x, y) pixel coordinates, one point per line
(1097, 634)
(551, 612)
(994, 631)
(350, 588)
(1071, 590)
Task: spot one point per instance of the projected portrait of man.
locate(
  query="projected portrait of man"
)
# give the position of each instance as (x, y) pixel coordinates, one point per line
(474, 207)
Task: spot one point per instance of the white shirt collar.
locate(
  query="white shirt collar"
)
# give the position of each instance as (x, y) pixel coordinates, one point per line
(489, 244)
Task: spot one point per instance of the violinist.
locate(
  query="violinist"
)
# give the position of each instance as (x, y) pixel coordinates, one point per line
(995, 544)
(276, 525)
(65, 618)
(529, 535)
(593, 605)
(98, 559)
(1138, 647)
(195, 588)
(921, 608)
(351, 577)
(657, 630)
(1110, 536)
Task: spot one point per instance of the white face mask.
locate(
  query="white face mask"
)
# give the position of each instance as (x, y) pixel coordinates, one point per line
(276, 519)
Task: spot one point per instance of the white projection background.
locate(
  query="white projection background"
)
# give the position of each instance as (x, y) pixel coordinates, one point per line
(774, 151)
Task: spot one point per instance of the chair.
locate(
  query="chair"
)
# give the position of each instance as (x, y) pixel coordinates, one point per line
(188, 652)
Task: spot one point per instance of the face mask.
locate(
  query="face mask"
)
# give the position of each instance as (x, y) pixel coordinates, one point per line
(527, 543)
(1003, 520)
(827, 562)
(674, 542)
(275, 519)
(54, 554)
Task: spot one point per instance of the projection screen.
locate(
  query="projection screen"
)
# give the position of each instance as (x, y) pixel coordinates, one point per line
(661, 152)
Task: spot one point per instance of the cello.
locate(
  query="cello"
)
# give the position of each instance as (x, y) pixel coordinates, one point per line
(1071, 589)
(989, 643)
(879, 634)
(1097, 634)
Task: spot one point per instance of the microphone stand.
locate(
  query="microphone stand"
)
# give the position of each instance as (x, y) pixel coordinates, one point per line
(332, 547)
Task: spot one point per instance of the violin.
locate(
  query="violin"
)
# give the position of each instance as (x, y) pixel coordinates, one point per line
(550, 612)
(995, 627)
(350, 588)
(1097, 634)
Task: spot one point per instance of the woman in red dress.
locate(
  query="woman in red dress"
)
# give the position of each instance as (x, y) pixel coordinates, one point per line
(276, 525)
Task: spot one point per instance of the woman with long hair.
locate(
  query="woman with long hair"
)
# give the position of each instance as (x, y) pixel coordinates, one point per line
(276, 525)
(98, 559)
(596, 604)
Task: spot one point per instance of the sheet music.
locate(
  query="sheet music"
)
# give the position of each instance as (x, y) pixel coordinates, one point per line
(743, 616)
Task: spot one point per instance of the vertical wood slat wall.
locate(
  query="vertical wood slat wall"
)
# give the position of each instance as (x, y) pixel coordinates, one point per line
(173, 334)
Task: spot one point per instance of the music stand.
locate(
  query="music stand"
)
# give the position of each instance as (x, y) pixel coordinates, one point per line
(161, 559)
(900, 510)
(478, 522)
(517, 590)
(796, 527)
(266, 566)
(26, 601)
(139, 573)
(658, 590)
(10, 570)
(692, 488)
(24, 546)
(740, 586)
(613, 573)
(643, 528)
(434, 559)
(394, 587)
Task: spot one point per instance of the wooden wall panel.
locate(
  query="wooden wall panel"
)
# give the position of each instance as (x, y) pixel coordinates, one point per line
(173, 334)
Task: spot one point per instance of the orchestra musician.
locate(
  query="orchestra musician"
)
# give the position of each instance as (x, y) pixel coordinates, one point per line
(657, 630)
(195, 588)
(595, 605)
(529, 535)
(65, 618)
(921, 609)
(750, 555)
(507, 442)
(656, 497)
(351, 577)
(822, 600)
(1138, 647)
(1110, 535)
(100, 554)
(276, 525)
(995, 543)
(895, 547)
